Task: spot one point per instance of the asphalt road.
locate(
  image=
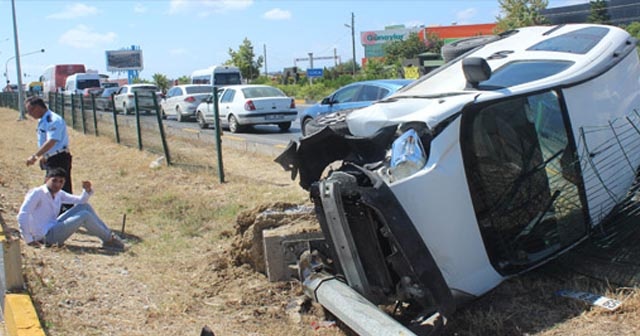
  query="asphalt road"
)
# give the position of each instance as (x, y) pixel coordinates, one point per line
(260, 134)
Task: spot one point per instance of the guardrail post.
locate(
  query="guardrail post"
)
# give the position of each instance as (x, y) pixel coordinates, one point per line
(73, 111)
(216, 117)
(138, 129)
(161, 128)
(84, 119)
(95, 115)
(115, 119)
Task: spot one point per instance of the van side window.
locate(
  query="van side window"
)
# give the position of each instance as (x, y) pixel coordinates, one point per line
(516, 153)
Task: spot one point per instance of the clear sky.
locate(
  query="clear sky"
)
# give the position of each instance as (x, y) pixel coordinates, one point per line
(179, 36)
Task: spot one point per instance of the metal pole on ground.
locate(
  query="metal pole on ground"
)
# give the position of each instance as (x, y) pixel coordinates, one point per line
(161, 128)
(115, 120)
(138, 128)
(216, 117)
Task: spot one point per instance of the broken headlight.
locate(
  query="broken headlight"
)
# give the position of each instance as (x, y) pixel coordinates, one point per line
(407, 156)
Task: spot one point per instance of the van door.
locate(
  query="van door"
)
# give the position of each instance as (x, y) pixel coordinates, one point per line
(524, 181)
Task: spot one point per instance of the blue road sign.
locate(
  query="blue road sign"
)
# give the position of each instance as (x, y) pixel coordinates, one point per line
(314, 72)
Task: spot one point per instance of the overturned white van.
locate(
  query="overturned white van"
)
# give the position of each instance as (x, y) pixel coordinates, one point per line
(491, 165)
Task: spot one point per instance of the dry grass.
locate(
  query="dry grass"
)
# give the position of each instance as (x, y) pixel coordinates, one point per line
(178, 276)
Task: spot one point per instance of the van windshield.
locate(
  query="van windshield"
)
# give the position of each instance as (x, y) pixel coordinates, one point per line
(88, 83)
(227, 78)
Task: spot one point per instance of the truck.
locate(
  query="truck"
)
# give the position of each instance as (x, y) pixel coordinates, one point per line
(54, 76)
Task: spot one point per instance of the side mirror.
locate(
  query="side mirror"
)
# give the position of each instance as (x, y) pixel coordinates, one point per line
(326, 101)
(476, 70)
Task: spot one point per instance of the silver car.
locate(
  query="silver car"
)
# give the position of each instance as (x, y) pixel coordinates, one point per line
(241, 106)
(182, 100)
(124, 98)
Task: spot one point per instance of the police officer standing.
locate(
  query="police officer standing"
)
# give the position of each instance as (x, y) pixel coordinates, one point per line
(53, 140)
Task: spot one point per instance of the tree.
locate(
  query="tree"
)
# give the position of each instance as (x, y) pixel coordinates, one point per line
(161, 81)
(599, 12)
(520, 13)
(634, 29)
(245, 60)
(184, 79)
(395, 52)
(376, 69)
(344, 68)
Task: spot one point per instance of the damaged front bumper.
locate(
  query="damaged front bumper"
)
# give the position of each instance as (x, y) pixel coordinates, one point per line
(370, 241)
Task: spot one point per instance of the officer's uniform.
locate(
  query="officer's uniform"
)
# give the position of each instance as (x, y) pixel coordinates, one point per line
(52, 126)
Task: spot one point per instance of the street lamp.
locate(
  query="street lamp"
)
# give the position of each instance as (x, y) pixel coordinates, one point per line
(353, 40)
(6, 64)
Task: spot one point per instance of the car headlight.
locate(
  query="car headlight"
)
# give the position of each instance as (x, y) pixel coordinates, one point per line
(407, 156)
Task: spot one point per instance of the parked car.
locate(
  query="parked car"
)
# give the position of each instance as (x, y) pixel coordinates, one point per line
(352, 96)
(497, 162)
(183, 100)
(103, 99)
(244, 105)
(124, 97)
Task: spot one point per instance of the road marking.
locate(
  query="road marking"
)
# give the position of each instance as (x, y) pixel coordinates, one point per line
(280, 146)
(191, 130)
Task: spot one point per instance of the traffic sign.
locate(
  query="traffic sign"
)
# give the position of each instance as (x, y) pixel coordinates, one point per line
(314, 72)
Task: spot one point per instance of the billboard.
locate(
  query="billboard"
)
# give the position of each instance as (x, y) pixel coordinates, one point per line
(386, 36)
(123, 60)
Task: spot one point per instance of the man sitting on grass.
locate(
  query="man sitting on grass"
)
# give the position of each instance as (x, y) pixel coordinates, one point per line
(39, 221)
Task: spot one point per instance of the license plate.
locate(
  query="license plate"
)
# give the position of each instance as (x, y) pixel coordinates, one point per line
(274, 117)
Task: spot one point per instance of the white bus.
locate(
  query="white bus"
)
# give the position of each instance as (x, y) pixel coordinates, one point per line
(217, 75)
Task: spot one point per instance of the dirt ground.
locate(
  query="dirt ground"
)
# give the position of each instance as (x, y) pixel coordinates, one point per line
(193, 256)
(171, 280)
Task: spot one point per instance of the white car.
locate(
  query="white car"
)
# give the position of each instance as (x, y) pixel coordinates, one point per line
(181, 101)
(491, 165)
(244, 105)
(125, 97)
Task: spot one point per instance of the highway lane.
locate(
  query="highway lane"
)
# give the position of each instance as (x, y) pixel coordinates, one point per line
(260, 134)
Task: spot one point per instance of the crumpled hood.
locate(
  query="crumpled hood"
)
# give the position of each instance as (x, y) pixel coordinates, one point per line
(365, 122)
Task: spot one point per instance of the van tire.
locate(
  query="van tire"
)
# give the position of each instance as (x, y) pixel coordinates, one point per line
(454, 49)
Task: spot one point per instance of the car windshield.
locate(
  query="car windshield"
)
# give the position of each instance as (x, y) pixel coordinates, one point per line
(109, 91)
(263, 91)
(198, 89)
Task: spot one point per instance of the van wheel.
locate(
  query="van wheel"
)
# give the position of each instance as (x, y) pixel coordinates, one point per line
(179, 117)
(125, 111)
(201, 122)
(234, 126)
(285, 126)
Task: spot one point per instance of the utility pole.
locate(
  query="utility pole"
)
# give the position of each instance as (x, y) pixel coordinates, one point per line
(18, 68)
(353, 41)
(310, 66)
(264, 48)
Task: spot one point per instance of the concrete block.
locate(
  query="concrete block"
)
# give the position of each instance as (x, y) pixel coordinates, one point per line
(281, 252)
